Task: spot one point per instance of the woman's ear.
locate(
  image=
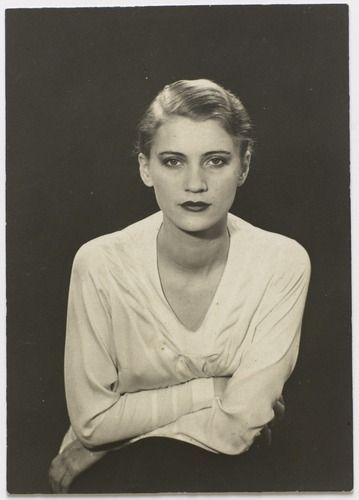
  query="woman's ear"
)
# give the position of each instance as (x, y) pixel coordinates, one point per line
(145, 170)
(244, 168)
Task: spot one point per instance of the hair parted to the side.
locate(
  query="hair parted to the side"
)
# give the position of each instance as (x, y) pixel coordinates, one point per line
(199, 100)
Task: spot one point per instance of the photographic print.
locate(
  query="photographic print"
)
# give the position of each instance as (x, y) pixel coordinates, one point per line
(178, 249)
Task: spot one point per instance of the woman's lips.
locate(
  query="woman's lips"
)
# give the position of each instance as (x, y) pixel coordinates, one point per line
(195, 206)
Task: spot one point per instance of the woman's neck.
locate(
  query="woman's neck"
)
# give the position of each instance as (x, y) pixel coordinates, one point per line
(193, 252)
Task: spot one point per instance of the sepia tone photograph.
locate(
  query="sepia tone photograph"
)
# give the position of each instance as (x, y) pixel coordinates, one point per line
(178, 249)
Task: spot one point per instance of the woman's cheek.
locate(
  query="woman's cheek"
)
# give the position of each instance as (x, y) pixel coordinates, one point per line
(228, 191)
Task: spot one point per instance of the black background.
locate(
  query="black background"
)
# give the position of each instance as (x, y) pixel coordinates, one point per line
(77, 82)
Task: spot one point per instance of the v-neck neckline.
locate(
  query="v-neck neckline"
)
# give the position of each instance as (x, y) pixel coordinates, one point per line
(216, 296)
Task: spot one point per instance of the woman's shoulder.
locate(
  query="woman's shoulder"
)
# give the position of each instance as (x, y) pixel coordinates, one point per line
(269, 247)
(118, 245)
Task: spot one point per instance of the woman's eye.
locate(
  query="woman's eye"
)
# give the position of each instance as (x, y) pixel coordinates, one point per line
(216, 162)
(172, 162)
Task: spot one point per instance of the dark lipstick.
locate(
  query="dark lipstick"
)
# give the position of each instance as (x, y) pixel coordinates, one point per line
(195, 206)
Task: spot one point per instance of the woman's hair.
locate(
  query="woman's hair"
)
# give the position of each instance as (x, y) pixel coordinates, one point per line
(199, 100)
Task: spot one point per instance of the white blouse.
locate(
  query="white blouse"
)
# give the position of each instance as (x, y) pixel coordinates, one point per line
(133, 370)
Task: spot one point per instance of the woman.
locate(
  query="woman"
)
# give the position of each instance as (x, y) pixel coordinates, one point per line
(186, 324)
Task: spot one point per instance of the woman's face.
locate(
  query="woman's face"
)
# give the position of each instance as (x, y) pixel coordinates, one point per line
(195, 169)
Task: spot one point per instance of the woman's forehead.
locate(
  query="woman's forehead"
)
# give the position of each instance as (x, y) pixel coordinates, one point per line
(184, 134)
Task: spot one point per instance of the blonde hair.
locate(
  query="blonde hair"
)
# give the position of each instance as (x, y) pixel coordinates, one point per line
(199, 100)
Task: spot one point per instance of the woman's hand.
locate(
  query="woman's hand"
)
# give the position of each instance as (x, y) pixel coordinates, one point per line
(70, 463)
(279, 411)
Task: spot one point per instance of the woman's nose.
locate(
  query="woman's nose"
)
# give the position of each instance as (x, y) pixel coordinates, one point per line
(195, 180)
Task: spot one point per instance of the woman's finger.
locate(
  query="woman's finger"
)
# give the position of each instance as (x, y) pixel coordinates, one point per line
(61, 484)
(267, 435)
(279, 409)
(58, 474)
(56, 471)
(55, 485)
(66, 482)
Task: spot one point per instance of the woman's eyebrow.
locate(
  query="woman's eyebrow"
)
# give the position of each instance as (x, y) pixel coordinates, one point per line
(163, 153)
(218, 152)
(208, 153)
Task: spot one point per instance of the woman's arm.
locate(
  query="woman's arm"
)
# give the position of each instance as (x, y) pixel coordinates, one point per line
(237, 418)
(98, 414)
(75, 458)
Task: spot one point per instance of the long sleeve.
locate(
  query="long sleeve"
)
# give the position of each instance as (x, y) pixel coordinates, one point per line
(98, 413)
(233, 422)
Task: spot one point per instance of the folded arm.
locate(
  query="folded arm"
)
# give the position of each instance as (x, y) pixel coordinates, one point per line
(237, 418)
(98, 413)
